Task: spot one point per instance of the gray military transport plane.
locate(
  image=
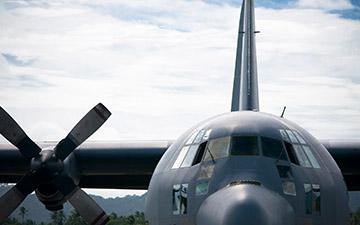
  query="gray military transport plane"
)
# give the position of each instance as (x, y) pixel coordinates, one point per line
(239, 168)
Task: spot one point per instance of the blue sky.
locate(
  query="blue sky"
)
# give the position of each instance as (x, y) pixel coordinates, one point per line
(163, 66)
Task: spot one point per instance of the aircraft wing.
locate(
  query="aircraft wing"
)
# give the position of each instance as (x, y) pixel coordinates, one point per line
(347, 155)
(130, 164)
(120, 164)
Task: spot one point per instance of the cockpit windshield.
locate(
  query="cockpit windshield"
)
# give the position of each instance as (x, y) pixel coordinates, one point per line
(217, 148)
(245, 145)
(291, 148)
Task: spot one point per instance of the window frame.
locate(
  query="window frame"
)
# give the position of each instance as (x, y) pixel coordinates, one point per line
(297, 149)
(196, 139)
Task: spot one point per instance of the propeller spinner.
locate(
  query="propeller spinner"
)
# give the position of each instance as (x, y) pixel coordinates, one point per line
(47, 168)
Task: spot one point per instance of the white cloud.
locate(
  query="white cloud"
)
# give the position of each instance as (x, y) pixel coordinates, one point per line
(325, 4)
(163, 73)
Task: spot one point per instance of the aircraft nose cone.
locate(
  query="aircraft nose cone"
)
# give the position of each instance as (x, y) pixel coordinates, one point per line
(245, 204)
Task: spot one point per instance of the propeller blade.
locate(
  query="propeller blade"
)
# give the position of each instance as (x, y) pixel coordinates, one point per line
(15, 196)
(9, 202)
(87, 208)
(82, 130)
(15, 135)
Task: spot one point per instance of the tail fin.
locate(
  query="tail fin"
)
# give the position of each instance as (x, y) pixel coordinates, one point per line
(245, 90)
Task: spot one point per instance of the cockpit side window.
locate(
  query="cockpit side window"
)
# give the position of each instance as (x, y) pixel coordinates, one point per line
(311, 156)
(245, 145)
(189, 158)
(298, 150)
(193, 149)
(284, 136)
(291, 153)
(200, 153)
(301, 139)
(273, 148)
(292, 136)
(302, 158)
(180, 157)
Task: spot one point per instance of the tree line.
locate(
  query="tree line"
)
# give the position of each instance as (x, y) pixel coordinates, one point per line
(59, 218)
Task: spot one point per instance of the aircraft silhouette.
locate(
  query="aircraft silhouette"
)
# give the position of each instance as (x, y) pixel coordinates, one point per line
(242, 167)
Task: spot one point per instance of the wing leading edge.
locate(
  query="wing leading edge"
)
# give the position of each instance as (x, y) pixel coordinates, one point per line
(122, 165)
(130, 164)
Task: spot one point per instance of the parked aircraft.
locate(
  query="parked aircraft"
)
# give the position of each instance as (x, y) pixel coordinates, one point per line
(242, 167)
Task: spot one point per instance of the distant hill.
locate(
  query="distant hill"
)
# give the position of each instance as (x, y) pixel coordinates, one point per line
(121, 206)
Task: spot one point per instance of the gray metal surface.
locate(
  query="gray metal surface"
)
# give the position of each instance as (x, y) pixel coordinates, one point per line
(245, 89)
(245, 204)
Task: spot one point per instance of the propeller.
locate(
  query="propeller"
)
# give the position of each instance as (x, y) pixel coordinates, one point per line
(47, 167)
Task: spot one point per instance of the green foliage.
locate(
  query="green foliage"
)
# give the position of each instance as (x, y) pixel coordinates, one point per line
(75, 219)
(59, 218)
(12, 221)
(137, 219)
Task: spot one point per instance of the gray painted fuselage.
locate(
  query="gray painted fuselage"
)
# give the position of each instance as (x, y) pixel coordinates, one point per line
(238, 184)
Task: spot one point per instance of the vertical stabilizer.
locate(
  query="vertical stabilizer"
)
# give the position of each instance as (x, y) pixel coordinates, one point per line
(245, 90)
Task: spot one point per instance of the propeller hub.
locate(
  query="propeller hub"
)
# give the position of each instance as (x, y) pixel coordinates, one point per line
(46, 164)
(50, 197)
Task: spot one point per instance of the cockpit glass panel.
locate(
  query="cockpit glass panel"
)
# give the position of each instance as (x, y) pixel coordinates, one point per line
(180, 157)
(308, 198)
(202, 187)
(299, 137)
(273, 148)
(287, 180)
(284, 136)
(285, 172)
(303, 159)
(217, 148)
(291, 153)
(292, 136)
(200, 153)
(246, 145)
(206, 171)
(189, 158)
(289, 188)
(199, 137)
(176, 199)
(180, 198)
(316, 199)
(311, 157)
(207, 135)
(191, 139)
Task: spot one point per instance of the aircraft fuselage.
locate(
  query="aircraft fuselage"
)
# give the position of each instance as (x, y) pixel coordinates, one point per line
(247, 168)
